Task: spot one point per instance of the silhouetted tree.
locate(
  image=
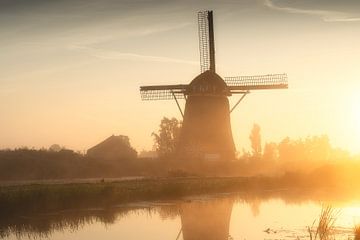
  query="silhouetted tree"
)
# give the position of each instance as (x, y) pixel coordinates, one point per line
(310, 149)
(55, 148)
(270, 152)
(286, 149)
(167, 137)
(255, 138)
(318, 148)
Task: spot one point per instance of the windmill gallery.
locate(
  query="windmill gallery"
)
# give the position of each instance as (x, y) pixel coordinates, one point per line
(206, 129)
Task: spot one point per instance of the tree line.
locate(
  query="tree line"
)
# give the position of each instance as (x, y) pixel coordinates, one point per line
(288, 155)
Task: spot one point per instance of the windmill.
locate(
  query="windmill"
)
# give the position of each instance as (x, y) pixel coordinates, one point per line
(206, 129)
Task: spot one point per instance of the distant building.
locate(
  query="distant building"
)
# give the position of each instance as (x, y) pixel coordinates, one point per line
(114, 148)
(148, 154)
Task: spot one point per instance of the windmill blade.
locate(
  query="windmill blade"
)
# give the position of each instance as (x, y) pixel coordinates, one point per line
(206, 41)
(258, 82)
(163, 92)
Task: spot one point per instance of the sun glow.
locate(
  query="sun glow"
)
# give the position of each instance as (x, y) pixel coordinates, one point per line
(355, 111)
(349, 216)
(346, 118)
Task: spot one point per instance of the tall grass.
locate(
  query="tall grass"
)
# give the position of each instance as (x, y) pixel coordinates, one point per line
(323, 228)
(357, 232)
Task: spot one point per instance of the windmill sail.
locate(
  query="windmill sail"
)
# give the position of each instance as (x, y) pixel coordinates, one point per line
(206, 41)
(258, 82)
(163, 92)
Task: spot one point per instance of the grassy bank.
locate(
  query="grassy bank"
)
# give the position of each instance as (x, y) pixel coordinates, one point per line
(21, 205)
(43, 198)
(38, 198)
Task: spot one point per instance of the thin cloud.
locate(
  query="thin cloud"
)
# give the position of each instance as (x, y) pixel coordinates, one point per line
(117, 55)
(160, 29)
(327, 16)
(126, 32)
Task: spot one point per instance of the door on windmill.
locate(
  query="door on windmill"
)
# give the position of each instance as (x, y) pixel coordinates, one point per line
(212, 157)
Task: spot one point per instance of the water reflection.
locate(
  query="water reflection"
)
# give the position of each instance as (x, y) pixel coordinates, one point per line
(206, 219)
(253, 215)
(43, 225)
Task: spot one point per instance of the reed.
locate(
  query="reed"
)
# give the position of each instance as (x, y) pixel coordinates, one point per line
(323, 228)
(357, 232)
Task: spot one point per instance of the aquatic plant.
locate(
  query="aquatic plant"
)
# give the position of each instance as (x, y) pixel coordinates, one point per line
(325, 224)
(357, 232)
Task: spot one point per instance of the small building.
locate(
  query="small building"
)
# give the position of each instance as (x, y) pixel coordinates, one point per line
(114, 148)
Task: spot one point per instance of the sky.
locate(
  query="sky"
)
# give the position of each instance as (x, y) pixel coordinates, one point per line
(70, 70)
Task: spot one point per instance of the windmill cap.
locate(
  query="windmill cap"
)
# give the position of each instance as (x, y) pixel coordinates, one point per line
(208, 83)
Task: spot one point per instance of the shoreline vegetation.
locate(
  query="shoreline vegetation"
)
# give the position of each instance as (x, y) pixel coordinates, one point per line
(116, 158)
(20, 205)
(42, 198)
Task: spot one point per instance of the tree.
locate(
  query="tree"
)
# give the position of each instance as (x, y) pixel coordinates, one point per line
(165, 141)
(55, 148)
(255, 139)
(270, 152)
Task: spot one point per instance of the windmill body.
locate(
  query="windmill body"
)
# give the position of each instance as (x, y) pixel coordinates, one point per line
(206, 130)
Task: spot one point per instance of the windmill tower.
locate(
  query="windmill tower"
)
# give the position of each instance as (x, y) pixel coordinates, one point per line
(206, 130)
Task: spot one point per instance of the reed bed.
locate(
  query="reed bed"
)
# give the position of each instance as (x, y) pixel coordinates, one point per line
(357, 232)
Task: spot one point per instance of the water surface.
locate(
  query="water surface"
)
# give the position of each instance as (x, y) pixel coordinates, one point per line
(271, 215)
